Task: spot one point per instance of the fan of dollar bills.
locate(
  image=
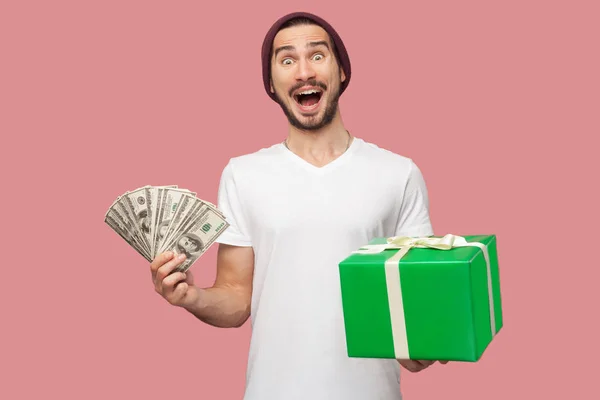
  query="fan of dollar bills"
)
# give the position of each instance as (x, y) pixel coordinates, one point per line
(155, 219)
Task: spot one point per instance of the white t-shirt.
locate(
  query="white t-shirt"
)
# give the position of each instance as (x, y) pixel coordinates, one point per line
(302, 221)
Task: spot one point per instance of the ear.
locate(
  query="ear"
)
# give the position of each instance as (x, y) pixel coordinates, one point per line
(342, 75)
(271, 85)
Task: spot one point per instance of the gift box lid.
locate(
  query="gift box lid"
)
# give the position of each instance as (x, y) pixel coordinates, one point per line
(423, 255)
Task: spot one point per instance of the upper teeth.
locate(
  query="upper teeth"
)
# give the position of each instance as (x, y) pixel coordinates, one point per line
(311, 91)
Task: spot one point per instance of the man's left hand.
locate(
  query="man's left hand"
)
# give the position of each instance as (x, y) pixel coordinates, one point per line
(418, 365)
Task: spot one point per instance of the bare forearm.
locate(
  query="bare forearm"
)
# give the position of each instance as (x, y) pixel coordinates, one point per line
(221, 307)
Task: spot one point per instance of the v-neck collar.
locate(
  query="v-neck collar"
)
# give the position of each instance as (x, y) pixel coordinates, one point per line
(341, 160)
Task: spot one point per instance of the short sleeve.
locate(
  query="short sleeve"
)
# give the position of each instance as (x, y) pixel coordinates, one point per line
(414, 219)
(228, 202)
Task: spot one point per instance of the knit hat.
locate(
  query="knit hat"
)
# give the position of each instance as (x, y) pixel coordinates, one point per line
(340, 49)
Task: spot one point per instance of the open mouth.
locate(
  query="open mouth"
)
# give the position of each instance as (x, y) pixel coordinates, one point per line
(308, 99)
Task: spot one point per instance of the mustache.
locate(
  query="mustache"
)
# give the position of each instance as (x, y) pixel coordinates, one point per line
(312, 82)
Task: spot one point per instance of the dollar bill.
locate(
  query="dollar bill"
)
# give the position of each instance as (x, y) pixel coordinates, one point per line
(118, 215)
(125, 234)
(214, 208)
(189, 215)
(136, 203)
(198, 237)
(152, 193)
(167, 204)
(155, 219)
(185, 203)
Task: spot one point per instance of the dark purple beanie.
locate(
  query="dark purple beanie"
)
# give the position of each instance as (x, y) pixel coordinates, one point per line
(340, 49)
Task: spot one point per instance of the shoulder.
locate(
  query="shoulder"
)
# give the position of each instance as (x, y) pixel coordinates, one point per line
(386, 159)
(251, 163)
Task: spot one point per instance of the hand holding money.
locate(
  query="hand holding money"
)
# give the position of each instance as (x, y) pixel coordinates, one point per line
(176, 287)
(158, 219)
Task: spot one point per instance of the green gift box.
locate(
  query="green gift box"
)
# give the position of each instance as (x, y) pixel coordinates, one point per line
(422, 298)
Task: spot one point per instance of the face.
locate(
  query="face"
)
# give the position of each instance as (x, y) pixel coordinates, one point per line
(305, 76)
(162, 230)
(187, 244)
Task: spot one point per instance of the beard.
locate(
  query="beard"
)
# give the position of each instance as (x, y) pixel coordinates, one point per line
(313, 123)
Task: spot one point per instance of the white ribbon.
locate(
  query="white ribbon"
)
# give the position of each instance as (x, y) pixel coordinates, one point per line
(392, 274)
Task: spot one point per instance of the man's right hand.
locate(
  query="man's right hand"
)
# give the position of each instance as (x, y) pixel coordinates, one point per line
(175, 287)
(226, 303)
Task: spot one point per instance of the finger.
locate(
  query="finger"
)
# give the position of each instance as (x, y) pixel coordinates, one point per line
(159, 261)
(167, 279)
(163, 272)
(415, 366)
(189, 278)
(411, 365)
(178, 294)
(167, 268)
(171, 281)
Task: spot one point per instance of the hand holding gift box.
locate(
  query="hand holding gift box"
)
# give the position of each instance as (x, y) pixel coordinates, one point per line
(422, 298)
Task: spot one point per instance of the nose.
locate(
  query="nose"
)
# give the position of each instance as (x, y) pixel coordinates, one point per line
(305, 70)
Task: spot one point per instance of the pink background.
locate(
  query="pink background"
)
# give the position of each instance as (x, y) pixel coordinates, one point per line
(498, 104)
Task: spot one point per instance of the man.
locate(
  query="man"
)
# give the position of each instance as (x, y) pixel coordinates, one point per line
(296, 210)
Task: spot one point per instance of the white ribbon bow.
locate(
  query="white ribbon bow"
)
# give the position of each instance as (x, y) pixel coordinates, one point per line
(404, 242)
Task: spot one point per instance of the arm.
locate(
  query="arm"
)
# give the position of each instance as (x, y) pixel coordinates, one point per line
(227, 303)
(413, 218)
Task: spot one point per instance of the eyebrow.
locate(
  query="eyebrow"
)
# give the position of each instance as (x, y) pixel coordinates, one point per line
(310, 44)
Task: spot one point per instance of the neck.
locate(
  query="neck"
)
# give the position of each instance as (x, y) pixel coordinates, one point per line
(320, 146)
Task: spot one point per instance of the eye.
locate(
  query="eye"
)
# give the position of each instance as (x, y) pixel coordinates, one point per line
(318, 57)
(286, 61)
